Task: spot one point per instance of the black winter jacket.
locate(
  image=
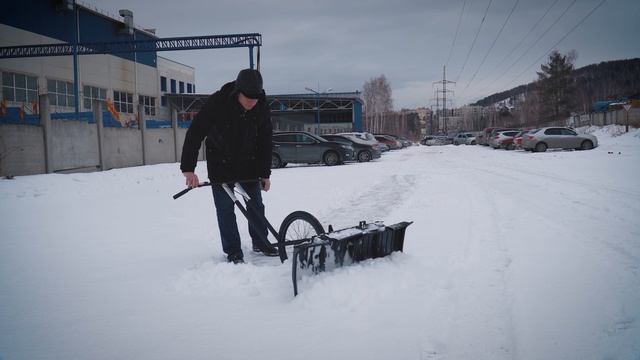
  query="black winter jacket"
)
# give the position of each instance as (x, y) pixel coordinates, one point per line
(238, 142)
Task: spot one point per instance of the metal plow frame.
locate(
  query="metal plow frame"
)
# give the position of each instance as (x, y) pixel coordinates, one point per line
(331, 250)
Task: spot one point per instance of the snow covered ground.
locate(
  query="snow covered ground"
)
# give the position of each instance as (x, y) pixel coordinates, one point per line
(511, 255)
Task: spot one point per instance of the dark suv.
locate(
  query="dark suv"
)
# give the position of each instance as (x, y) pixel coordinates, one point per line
(304, 147)
(364, 151)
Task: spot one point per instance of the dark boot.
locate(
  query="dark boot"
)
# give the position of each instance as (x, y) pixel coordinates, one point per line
(236, 258)
(272, 252)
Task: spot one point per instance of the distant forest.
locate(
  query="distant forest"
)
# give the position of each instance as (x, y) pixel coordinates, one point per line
(609, 80)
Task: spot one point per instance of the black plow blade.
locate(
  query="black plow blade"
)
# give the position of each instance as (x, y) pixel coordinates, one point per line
(344, 247)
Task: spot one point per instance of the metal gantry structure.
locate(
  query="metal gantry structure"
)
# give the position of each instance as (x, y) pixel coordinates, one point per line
(284, 107)
(132, 46)
(307, 102)
(185, 103)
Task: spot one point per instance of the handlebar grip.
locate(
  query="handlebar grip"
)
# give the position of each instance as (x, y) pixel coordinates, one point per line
(206, 183)
(181, 193)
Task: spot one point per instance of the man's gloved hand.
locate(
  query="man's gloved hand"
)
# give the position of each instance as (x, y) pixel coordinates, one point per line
(192, 179)
(265, 184)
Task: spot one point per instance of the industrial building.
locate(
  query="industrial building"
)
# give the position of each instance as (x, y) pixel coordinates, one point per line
(61, 59)
(125, 78)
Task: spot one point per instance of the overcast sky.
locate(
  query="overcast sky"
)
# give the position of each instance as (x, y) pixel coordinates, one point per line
(333, 44)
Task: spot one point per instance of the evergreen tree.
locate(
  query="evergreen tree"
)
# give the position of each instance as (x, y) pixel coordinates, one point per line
(556, 86)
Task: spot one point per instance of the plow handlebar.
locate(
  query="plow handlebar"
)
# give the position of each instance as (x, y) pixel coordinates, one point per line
(206, 183)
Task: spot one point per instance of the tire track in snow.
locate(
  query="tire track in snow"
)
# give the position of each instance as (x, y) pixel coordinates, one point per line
(479, 321)
(375, 203)
(596, 214)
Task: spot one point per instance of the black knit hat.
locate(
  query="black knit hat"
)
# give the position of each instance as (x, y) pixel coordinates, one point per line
(249, 83)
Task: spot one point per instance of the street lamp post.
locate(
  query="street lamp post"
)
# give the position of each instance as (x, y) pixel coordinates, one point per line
(318, 93)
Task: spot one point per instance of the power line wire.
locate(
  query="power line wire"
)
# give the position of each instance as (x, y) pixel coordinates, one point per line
(492, 45)
(519, 43)
(559, 41)
(474, 40)
(537, 40)
(464, 2)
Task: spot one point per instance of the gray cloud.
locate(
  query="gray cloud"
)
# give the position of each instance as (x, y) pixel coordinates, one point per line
(341, 44)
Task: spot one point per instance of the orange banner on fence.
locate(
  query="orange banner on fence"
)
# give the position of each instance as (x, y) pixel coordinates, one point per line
(112, 109)
(21, 112)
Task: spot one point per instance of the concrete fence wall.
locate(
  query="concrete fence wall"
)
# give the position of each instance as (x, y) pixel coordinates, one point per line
(21, 150)
(73, 145)
(610, 117)
(122, 148)
(160, 145)
(86, 145)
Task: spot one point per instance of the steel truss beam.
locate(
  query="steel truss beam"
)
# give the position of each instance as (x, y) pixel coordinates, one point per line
(153, 45)
(289, 103)
(277, 103)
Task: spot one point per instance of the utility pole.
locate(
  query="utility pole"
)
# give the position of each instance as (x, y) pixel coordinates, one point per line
(444, 92)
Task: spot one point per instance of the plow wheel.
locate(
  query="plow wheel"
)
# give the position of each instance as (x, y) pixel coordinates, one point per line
(299, 225)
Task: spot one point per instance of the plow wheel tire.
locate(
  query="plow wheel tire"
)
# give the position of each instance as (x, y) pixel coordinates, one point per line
(300, 225)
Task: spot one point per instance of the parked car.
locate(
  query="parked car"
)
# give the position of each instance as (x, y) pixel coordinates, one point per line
(401, 144)
(403, 140)
(364, 151)
(407, 141)
(486, 135)
(489, 133)
(505, 139)
(461, 138)
(304, 147)
(471, 140)
(492, 141)
(435, 140)
(365, 137)
(425, 140)
(517, 140)
(389, 141)
(558, 138)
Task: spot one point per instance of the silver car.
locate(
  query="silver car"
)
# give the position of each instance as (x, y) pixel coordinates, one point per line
(462, 138)
(434, 140)
(557, 138)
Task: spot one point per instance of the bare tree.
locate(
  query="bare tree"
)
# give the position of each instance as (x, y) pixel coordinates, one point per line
(377, 102)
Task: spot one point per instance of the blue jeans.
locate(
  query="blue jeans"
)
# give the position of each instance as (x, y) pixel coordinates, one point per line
(227, 218)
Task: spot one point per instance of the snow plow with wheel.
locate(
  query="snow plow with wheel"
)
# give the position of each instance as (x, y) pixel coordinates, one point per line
(314, 249)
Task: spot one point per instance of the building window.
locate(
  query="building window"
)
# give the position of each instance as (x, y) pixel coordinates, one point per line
(91, 93)
(189, 88)
(194, 88)
(163, 100)
(60, 93)
(123, 101)
(173, 86)
(181, 87)
(149, 104)
(163, 83)
(19, 87)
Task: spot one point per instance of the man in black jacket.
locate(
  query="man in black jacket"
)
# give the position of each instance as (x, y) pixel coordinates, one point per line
(236, 123)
